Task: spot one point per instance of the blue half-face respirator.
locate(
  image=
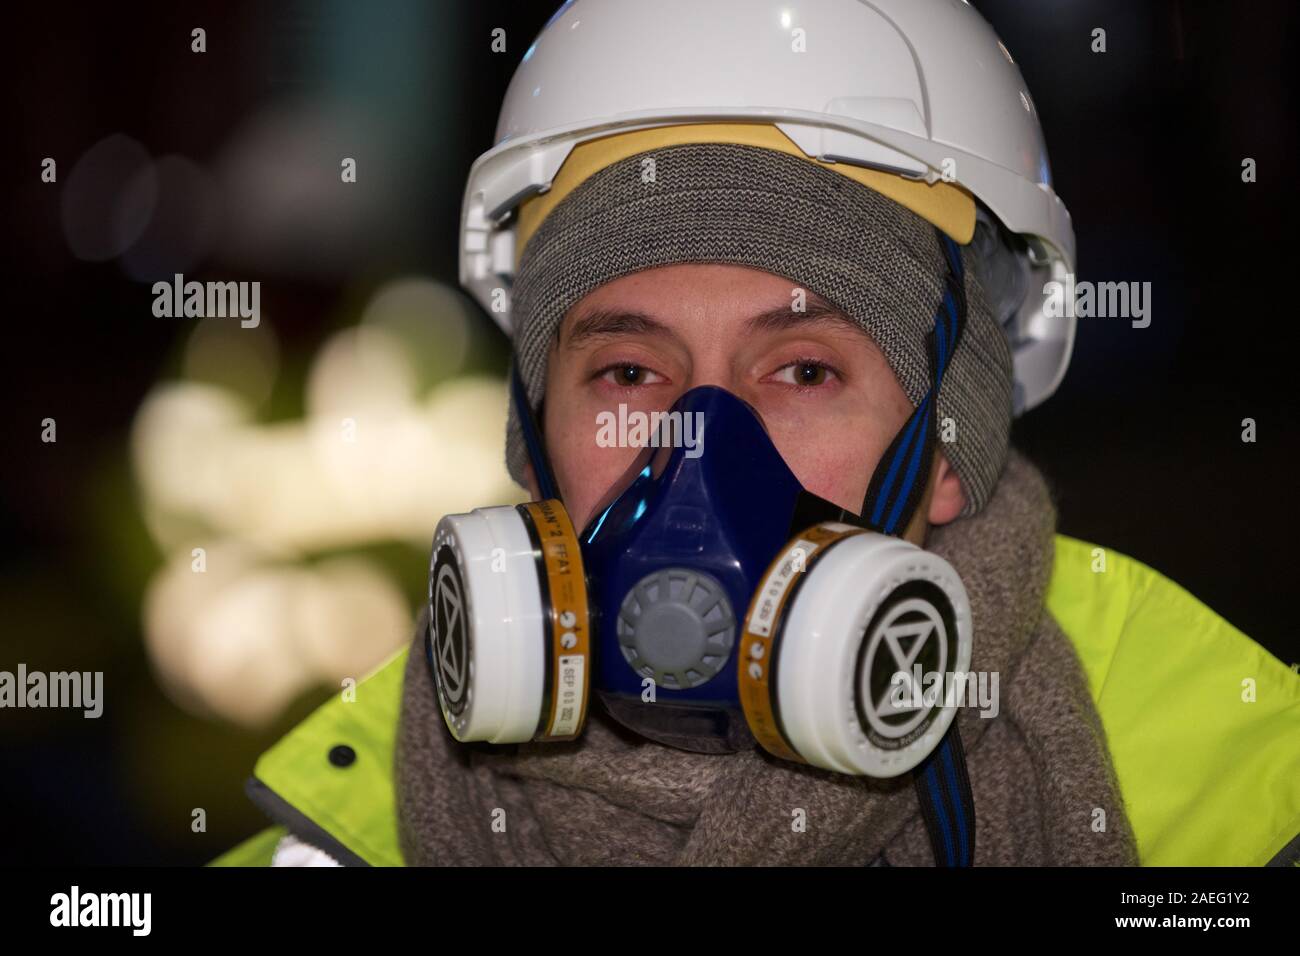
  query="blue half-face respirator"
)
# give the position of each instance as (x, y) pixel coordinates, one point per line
(713, 603)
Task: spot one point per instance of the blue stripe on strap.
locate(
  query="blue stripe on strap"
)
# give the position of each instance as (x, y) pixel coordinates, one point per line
(936, 801)
(941, 340)
(913, 467)
(899, 455)
(954, 255)
(950, 773)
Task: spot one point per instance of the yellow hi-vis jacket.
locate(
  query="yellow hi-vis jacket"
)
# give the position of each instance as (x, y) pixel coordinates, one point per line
(1203, 726)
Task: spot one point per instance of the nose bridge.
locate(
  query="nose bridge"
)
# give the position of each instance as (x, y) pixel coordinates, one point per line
(713, 369)
(717, 369)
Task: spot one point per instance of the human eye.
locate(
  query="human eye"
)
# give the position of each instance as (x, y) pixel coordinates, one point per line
(806, 374)
(628, 375)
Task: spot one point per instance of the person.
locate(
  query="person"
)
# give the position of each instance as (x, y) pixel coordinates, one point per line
(828, 239)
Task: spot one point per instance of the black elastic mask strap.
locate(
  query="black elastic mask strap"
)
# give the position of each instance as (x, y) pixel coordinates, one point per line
(532, 436)
(898, 484)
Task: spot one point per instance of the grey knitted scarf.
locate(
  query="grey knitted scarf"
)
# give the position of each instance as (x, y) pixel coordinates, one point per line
(1039, 770)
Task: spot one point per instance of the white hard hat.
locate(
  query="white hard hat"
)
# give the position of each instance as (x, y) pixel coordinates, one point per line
(919, 88)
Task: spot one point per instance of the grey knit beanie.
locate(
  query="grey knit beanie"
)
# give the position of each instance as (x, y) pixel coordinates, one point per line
(877, 262)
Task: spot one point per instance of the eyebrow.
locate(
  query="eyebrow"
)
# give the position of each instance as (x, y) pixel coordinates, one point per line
(607, 323)
(816, 310)
(599, 323)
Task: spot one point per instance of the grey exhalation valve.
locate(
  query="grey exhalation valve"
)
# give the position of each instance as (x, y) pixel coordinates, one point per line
(677, 627)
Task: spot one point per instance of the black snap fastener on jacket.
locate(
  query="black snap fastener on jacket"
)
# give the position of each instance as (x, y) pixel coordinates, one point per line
(341, 755)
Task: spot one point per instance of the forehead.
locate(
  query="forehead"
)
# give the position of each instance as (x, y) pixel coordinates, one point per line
(681, 296)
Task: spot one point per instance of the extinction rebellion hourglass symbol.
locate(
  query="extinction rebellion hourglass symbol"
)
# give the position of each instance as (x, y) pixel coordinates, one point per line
(451, 635)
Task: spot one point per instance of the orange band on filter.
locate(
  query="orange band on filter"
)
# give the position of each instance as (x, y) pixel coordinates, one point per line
(570, 664)
(763, 624)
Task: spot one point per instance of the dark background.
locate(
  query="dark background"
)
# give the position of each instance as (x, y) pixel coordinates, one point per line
(1142, 443)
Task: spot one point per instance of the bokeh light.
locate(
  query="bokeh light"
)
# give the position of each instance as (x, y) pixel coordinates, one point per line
(108, 198)
(267, 589)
